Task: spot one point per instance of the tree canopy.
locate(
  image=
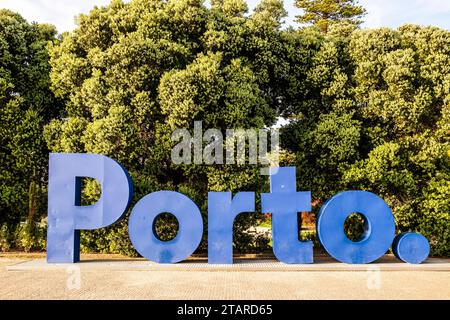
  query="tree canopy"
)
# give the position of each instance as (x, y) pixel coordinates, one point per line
(368, 109)
(377, 120)
(324, 13)
(26, 105)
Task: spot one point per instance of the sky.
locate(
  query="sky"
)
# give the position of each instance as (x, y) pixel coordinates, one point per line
(381, 13)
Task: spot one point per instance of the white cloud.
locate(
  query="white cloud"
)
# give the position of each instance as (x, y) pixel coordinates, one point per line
(389, 13)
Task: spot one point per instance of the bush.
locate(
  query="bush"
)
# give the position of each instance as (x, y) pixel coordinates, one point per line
(114, 239)
(6, 238)
(31, 236)
(435, 220)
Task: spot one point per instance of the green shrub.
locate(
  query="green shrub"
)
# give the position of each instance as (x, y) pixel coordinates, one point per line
(6, 238)
(435, 220)
(114, 239)
(31, 236)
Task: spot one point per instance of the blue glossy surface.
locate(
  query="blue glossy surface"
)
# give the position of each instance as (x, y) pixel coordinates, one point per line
(66, 216)
(222, 210)
(284, 202)
(411, 247)
(380, 227)
(141, 230)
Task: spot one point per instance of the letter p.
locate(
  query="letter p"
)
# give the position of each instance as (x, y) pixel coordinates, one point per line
(66, 216)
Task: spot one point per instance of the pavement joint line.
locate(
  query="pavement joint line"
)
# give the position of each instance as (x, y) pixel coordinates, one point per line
(434, 265)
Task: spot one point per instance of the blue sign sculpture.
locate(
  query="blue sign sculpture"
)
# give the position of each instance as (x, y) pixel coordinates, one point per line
(411, 247)
(142, 233)
(379, 227)
(284, 202)
(222, 210)
(66, 217)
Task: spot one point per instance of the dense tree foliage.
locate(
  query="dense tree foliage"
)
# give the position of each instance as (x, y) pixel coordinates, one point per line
(378, 120)
(26, 105)
(368, 109)
(132, 73)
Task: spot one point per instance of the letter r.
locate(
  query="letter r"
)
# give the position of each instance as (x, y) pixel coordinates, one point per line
(66, 216)
(223, 208)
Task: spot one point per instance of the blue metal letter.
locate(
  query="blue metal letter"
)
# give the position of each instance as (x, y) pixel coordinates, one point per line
(141, 229)
(284, 202)
(411, 247)
(222, 210)
(379, 233)
(66, 217)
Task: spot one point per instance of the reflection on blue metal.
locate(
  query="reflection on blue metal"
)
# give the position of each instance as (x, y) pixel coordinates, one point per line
(66, 216)
(284, 202)
(142, 220)
(379, 221)
(222, 210)
(411, 247)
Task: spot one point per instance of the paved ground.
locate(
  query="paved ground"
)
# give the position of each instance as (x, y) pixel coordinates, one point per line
(113, 277)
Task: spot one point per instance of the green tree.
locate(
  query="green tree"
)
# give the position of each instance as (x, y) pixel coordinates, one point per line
(132, 73)
(368, 109)
(26, 105)
(405, 97)
(375, 117)
(324, 13)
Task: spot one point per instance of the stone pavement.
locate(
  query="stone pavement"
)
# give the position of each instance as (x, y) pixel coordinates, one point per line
(114, 277)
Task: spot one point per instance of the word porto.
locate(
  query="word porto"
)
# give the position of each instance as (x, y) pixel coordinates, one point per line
(66, 217)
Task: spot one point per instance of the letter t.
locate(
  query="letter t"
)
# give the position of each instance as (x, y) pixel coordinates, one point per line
(284, 202)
